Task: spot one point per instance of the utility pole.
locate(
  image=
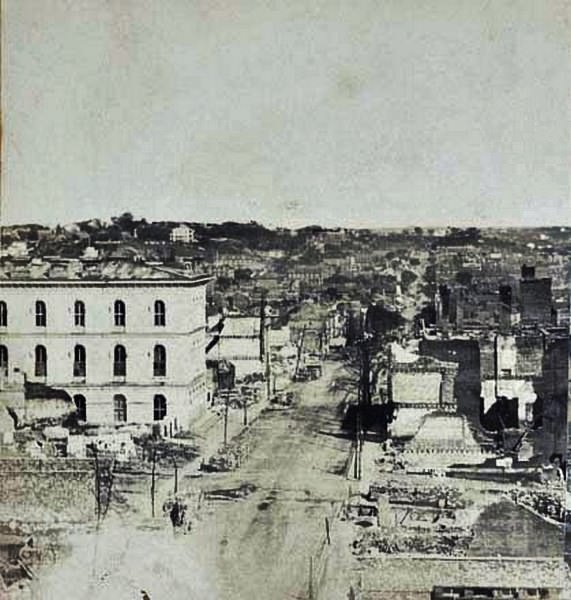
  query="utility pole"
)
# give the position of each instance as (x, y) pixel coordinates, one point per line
(153, 474)
(245, 401)
(175, 475)
(268, 370)
(311, 596)
(225, 392)
(97, 483)
(364, 396)
(265, 345)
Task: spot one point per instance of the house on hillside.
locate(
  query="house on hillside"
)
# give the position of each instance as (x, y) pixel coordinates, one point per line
(183, 233)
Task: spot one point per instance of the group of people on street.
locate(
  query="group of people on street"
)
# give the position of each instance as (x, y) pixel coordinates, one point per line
(176, 510)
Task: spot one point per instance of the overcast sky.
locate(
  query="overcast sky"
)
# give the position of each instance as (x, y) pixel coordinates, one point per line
(339, 112)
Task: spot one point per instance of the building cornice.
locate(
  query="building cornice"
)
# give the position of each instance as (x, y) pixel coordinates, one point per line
(118, 283)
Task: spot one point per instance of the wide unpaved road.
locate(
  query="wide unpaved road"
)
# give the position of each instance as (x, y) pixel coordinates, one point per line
(251, 549)
(259, 547)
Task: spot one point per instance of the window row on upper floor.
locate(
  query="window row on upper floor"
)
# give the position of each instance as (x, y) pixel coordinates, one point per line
(80, 313)
(80, 361)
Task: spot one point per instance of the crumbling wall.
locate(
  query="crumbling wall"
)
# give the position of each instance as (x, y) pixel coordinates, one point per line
(37, 490)
(529, 355)
(536, 299)
(487, 358)
(466, 354)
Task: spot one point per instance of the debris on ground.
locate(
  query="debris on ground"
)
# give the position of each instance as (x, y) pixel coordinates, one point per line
(238, 493)
(455, 542)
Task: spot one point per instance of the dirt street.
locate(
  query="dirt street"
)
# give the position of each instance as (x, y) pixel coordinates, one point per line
(256, 547)
(260, 546)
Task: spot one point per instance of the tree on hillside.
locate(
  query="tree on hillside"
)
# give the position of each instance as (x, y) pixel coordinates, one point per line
(125, 222)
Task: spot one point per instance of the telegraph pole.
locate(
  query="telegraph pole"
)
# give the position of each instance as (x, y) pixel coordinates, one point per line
(175, 475)
(97, 483)
(153, 474)
(245, 400)
(265, 355)
(364, 396)
(226, 419)
(311, 594)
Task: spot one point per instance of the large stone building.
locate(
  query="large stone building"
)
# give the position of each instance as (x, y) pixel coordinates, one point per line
(125, 340)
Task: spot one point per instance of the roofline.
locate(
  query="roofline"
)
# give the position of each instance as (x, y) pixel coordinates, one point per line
(182, 282)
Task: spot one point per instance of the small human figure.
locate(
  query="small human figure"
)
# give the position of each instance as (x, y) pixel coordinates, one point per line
(175, 514)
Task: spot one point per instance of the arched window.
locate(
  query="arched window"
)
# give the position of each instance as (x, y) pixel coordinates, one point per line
(79, 361)
(119, 313)
(79, 313)
(3, 361)
(160, 314)
(41, 314)
(120, 408)
(80, 407)
(3, 314)
(119, 361)
(159, 407)
(41, 366)
(159, 361)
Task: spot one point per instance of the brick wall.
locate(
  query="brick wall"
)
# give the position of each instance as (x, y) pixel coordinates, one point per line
(44, 490)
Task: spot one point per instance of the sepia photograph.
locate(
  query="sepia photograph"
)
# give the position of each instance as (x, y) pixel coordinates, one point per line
(285, 300)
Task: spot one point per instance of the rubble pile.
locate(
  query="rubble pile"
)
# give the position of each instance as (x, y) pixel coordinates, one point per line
(438, 496)
(455, 542)
(238, 493)
(546, 503)
(21, 555)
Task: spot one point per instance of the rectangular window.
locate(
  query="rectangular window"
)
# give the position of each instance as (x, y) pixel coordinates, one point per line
(41, 314)
(41, 362)
(159, 408)
(119, 313)
(79, 314)
(79, 361)
(159, 361)
(80, 407)
(160, 314)
(120, 408)
(3, 314)
(119, 361)
(3, 361)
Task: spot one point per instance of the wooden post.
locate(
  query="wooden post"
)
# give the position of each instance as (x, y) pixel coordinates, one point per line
(267, 358)
(175, 475)
(311, 597)
(97, 484)
(226, 420)
(153, 472)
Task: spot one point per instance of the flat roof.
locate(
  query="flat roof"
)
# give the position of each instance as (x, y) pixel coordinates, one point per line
(73, 272)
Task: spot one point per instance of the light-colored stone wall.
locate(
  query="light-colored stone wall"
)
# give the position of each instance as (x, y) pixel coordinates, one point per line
(183, 337)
